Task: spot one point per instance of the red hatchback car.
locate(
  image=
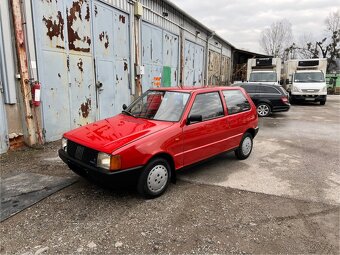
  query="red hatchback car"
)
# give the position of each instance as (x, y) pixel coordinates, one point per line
(162, 131)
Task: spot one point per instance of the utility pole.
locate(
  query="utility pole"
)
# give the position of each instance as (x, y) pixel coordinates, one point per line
(30, 134)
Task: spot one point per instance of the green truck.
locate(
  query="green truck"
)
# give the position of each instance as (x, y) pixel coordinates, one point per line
(333, 83)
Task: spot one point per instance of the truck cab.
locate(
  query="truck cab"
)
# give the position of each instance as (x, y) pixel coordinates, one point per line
(264, 70)
(308, 82)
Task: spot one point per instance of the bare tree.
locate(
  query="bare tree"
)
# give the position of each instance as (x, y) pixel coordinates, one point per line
(333, 46)
(278, 37)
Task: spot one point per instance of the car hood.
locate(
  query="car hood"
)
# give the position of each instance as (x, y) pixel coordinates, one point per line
(110, 134)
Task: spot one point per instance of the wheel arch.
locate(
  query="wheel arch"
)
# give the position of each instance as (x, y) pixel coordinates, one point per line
(251, 131)
(170, 160)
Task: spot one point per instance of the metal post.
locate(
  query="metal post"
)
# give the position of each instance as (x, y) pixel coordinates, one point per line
(30, 134)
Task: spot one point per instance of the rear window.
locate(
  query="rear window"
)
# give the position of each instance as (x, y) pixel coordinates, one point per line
(236, 101)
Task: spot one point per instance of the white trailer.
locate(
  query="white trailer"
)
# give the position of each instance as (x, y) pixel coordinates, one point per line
(305, 79)
(264, 70)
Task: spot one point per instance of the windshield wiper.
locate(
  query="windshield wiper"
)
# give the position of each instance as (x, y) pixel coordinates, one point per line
(128, 113)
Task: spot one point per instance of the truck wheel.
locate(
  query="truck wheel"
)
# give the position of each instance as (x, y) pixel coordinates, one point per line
(246, 145)
(263, 110)
(155, 178)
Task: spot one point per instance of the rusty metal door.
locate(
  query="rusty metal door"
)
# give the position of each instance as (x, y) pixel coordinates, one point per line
(80, 61)
(152, 56)
(53, 65)
(112, 58)
(193, 64)
(170, 59)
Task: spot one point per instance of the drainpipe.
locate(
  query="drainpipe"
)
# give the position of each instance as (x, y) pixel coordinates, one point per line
(137, 27)
(30, 132)
(207, 57)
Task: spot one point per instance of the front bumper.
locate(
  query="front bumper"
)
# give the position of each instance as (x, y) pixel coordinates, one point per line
(96, 173)
(315, 98)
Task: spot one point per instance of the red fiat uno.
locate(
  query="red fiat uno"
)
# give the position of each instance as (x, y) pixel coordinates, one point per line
(162, 131)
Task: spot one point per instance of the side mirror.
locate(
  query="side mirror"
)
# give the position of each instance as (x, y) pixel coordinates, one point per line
(194, 118)
(124, 107)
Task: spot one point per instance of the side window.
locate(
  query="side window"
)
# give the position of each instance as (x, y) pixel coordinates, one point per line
(236, 101)
(249, 88)
(269, 90)
(209, 105)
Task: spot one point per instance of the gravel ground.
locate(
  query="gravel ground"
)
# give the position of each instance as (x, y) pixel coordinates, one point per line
(189, 218)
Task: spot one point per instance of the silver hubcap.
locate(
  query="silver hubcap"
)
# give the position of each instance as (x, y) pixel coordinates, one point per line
(157, 178)
(246, 146)
(263, 110)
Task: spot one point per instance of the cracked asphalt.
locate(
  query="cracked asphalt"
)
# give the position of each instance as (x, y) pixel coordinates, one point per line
(283, 199)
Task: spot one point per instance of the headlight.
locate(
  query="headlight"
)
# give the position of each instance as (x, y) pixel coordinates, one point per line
(109, 162)
(296, 89)
(64, 144)
(324, 89)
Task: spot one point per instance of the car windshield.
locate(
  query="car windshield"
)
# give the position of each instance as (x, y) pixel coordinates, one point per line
(159, 105)
(309, 77)
(263, 77)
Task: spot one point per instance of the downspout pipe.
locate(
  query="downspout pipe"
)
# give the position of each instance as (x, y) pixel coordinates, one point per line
(207, 57)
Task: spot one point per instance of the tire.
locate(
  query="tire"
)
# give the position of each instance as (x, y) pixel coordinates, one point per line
(263, 110)
(155, 178)
(322, 102)
(246, 145)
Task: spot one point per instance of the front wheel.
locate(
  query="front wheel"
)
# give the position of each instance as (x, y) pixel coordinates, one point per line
(263, 110)
(323, 102)
(246, 145)
(155, 178)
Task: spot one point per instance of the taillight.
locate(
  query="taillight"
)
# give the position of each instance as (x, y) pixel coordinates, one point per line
(285, 100)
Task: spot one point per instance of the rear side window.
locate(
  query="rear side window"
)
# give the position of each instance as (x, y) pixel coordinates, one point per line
(208, 105)
(250, 88)
(236, 101)
(268, 90)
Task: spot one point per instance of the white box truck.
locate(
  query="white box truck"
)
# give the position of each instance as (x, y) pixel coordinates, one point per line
(264, 70)
(305, 79)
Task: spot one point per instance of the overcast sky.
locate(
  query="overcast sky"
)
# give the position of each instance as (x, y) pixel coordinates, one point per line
(241, 21)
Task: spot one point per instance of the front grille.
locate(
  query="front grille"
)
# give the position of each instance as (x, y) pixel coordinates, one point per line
(82, 153)
(310, 90)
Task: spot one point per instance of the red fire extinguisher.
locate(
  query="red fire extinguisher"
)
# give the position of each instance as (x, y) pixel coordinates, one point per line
(36, 94)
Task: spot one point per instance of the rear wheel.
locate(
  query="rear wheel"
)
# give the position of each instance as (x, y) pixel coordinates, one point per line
(246, 145)
(155, 178)
(263, 110)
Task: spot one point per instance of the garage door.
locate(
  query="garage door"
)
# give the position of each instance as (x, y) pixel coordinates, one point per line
(193, 64)
(69, 38)
(160, 57)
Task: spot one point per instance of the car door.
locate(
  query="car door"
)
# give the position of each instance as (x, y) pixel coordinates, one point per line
(239, 115)
(203, 139)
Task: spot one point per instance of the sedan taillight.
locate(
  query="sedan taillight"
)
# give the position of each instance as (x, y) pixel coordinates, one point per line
(285, 100)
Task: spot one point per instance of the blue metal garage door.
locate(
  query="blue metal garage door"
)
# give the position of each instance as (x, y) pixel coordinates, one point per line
(112, 56)
(193, 64)
(160, 57)
(70, 36)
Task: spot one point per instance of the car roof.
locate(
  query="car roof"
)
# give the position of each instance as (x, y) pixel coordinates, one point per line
(260, 84)
(193, 89)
